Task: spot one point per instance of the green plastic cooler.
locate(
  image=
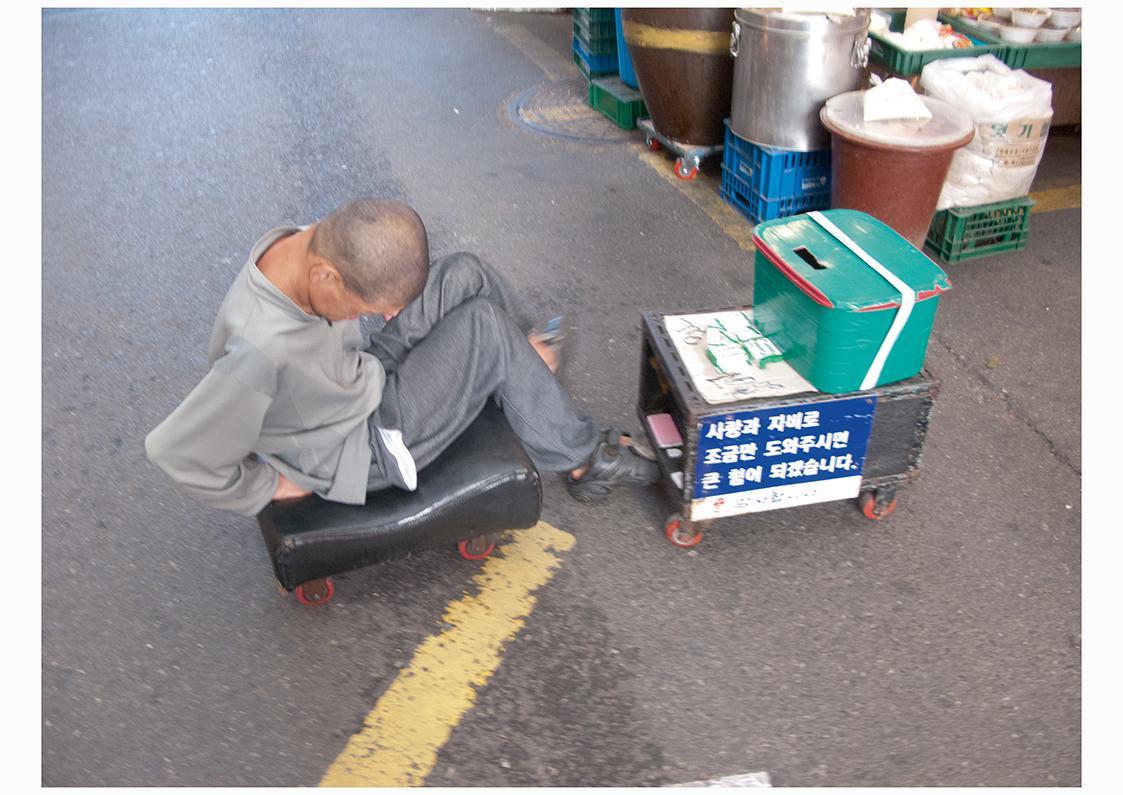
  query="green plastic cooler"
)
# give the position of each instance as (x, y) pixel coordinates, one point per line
(849, 301)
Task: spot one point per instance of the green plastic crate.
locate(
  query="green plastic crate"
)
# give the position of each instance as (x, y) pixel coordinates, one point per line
(618, 101)
(1036, 55)
(828, 311)
(896, 17)
(599, 16)
(960, 233)
(603, 46)
(595, 35)
(910, 62)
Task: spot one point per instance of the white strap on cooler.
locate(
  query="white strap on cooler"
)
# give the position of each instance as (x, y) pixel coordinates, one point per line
(908, 298)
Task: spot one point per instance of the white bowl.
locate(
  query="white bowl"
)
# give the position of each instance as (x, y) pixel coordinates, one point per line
(1001, 13)
(1016, 34)
(1030, 17)
(1064, 17)
(988, 22)
(1051, 34)
(1073, 35)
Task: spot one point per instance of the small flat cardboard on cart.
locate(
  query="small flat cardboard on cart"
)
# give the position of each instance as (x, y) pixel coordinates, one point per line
(688, 332)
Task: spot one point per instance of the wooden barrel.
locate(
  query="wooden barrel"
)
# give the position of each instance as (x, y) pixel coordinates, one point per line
(685, 72)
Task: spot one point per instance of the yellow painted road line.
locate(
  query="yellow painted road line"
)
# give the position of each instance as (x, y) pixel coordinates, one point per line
(703, 194)
(401, 737)
(1067, 198)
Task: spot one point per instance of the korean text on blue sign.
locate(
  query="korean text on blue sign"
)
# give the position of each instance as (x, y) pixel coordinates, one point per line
(783, 445)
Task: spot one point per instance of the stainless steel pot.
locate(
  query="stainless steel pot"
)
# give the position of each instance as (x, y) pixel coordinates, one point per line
(787, 64)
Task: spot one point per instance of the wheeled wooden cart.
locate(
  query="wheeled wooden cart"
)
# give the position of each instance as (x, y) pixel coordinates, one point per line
(767, 451)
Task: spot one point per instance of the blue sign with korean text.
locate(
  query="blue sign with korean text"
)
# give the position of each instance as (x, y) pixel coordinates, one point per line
(782, 446)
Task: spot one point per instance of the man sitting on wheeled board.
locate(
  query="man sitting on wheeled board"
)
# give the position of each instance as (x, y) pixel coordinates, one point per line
(294, 404)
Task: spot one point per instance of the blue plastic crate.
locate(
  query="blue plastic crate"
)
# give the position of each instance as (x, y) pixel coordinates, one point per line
(627, 71)
(777, 173)
(756, 208)
(593, 65)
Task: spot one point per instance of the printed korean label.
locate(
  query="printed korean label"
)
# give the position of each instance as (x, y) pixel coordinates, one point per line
(782, 456)
(1014, 144)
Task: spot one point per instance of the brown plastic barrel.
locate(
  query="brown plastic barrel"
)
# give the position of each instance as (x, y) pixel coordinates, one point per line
(684, 69)
(897, 185)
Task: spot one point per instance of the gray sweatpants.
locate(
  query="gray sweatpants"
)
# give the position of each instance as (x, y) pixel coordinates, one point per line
(461, 342)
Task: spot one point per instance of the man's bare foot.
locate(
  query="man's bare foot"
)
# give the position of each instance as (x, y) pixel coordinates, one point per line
(642, 448)
(547, 351)
(550, 342)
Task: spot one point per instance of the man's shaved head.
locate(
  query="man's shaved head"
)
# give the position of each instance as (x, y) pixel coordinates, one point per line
(379, 247)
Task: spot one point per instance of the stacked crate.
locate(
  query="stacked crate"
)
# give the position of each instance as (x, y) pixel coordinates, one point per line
(594, 41)
(764, 183)
(595, 51)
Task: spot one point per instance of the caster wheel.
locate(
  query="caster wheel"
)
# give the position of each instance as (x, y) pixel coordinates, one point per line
(315, 592)
(476, 548)
(684, 170)
(653, 145)
(868, 503)
(679, 534)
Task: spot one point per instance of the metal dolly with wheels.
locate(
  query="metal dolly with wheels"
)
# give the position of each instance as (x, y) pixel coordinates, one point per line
(690, 156)
(481, 486)
(896, 418)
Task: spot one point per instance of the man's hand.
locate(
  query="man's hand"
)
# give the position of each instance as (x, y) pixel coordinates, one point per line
(287, 490)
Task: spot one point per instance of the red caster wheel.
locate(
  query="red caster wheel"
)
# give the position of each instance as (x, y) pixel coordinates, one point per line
(653, 145)
(315, 592)
(680, 534)
(683, 170)
(476, 548)
(868, 503)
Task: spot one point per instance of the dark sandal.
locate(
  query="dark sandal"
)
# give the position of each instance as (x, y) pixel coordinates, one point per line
(611, 465)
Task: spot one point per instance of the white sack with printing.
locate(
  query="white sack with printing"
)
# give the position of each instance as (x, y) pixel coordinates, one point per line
(1011, 110)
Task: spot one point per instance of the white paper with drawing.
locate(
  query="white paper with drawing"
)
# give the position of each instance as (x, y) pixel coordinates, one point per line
(716, 377)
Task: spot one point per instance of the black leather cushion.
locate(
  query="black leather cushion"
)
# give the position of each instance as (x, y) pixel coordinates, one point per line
(483, 483)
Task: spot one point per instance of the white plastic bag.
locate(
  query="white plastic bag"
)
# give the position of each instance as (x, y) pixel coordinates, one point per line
(893, 99)
(1011, 110)
(924, 34)
(987, 89)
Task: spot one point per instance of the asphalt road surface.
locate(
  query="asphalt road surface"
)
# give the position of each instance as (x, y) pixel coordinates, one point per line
(941, 647)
